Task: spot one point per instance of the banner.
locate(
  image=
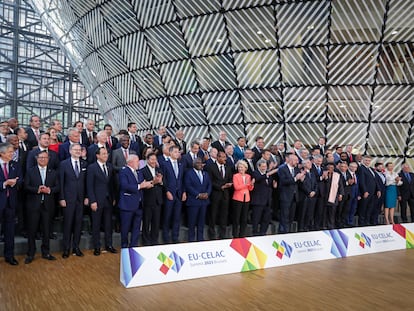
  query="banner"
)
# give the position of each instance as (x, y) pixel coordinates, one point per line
(174, 262)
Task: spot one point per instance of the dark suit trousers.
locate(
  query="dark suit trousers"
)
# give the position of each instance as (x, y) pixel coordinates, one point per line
(260, 215)
(376, 210)
(330, 216)
(320, 213)
(40, 213)
(403, 205)
(342, 212)
(72, 225)
(7, 219)
(196, 217)
(287, 213)
(151, 224)
(240, 211)
(306, 217)
(130, 221)
(353, 205)
(365, 208)
(172, 217)
(102, 213)
(218, 214)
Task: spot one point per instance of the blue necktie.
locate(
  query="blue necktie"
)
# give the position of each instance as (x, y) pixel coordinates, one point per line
(76, 169)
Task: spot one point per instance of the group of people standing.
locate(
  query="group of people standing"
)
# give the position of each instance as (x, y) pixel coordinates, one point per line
(146, 184)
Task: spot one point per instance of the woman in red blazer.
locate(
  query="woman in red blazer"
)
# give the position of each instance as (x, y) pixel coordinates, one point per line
(242, 184)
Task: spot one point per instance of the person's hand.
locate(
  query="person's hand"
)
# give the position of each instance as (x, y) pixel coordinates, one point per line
(62, 203)
(94, 206)
(169, 196)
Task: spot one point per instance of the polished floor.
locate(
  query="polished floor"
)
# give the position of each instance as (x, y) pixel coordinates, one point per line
(383, 281)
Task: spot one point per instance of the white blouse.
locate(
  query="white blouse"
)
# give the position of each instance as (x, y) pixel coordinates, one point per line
(390, 179)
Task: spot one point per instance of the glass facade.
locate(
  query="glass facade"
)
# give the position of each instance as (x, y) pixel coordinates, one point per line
(286, 70)
(35, 75)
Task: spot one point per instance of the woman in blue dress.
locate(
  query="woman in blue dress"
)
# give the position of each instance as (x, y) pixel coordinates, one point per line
(392, 181)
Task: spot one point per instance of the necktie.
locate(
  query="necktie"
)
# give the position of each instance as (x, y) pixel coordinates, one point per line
(135, 174)
(109, 142)
(319, 170)
(175, 166)
(76, 169)
(407, 175)
(292, 172)
(6, 176)
(105, 170)
(43, 175)
(90, 138)
(126, 154)
(36, 132)
(133, 138)
(200, 176)
(16, 155)
(222, 171)
(22, 146)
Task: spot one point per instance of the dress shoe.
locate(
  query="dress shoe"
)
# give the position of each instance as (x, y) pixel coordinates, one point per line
(12, 261)
(111, 249)
(48, 257)
(28, 259)
(97, 251)
(53, 236)
(77, 252)
(65, 254)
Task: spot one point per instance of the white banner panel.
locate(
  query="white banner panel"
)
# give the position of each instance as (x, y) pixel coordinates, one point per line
(175, 262)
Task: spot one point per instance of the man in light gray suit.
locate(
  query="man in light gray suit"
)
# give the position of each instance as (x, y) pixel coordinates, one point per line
(120, 155)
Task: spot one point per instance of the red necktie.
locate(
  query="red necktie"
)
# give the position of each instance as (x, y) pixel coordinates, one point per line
(110, 142)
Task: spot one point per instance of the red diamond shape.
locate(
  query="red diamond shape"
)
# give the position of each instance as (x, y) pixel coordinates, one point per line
(279, 254)
(164, 269)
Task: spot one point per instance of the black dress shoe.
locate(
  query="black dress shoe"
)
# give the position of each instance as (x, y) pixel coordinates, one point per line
(97, 251)
(12, 261)
(65, 254)
(111, 249)
(77, 252)
(28, 259)
(53, 236)
(48, 257)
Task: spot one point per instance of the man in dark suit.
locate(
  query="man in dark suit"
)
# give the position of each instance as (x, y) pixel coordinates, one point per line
(112, 141)
(130, 200)
(44, 141)
(100, 187)
(221, 142)
(379, 199)
(72, 138)
(88, 134)
(101, 142)
(158, 137)
(289, 175)
(308, 190)
(320, 206)
(198, 188)
(72, 174)
(321, 145)
(133, 136)
(173, 173)
(342, 212)
(221, 178)
(230, 161)
(188, 158)
(261, 197)
(258, 148)
(10, 179)
(152, 202)
(203, 153)
(355, 194)
(180, 142)
(33, 131)
(368, 188)
(164, 157)
(406, 192)
(41, 184)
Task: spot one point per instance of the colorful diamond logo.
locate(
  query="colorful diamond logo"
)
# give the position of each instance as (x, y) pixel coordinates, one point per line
(282, 249)
(363, 239)
(173, 262)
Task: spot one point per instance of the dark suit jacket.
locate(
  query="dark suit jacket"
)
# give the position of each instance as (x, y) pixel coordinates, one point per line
(23, 159)
(152, 196)
(85, 138)
(257, 154)
(218, 181)
(72, 188)
(31, 140)
(114, 142)
(32, 182)
(288, 188)
(367, 181)
(183, 148)
(187, 161)
(347, 186)
(216, 144)
(130, 197)
(100, 188)
(171, 183)
(91, 155)
(162, 161)
(262, 191)
(14, 171)
(309, 185)
(194, 187)
(406, 190)
(31, 159)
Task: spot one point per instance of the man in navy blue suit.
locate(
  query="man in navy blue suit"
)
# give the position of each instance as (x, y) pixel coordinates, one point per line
(289, 176)
(100, 186)
(72, 175)
(44, 141)
(130, 200)
(175, 194)
(198, 189)
(10, 179)
(101, 142)
(369, 189)
(33, 131)
(188, 158)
